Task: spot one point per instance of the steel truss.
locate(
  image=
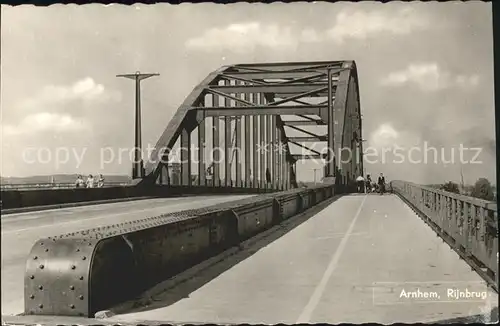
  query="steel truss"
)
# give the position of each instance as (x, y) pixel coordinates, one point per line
(244, 105)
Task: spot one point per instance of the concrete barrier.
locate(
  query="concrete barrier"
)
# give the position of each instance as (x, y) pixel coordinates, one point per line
(469, 225)
(84, 272)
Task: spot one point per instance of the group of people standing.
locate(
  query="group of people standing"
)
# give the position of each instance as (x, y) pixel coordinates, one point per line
(91, 180)
(369, 186)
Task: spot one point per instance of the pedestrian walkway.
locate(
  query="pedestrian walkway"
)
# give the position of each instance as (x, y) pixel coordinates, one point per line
(359, 260)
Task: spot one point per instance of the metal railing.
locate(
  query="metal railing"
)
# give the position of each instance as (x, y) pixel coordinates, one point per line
(469, 225)
(48, 185)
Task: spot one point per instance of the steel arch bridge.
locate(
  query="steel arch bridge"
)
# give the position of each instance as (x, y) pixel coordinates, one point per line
(237, 114)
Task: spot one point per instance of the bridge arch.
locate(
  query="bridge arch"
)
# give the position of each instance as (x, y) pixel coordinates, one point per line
(238, 113)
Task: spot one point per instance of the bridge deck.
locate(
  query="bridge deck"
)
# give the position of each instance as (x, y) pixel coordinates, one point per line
(21, 231)
(348, 263)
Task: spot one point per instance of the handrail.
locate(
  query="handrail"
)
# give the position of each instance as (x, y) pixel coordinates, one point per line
(469, 225)
(48, 185)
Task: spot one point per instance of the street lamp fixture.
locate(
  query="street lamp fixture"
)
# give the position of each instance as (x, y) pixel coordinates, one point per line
(138, 165)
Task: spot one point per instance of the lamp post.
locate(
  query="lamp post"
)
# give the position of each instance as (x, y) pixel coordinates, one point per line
(137, 165)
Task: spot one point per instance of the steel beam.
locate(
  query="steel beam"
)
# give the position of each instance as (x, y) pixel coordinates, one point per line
(339, 110)
(290, 66)
(227, 151)
(227, 142)
(261, 110)
(307, 138)
(278, 152)
(255, 142)
(185, 157)
(315, 95)
(287, 175)
(274, 140)
(304, 123)
(201, 154)
(308, 156)
(215, 145)
(230, 96)
(331, 125)
(271, 88)
(263, 150)
(271, 74)
(294, 98)
(242, 79)
(269, 146)
(238, 151)
(248, 136)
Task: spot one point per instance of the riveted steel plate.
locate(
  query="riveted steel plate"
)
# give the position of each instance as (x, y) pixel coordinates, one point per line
(56, 278)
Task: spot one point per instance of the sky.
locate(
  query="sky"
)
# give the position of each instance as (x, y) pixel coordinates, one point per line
(425, 77)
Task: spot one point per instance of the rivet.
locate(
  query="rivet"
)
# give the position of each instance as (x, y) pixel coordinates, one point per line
(40, 287)
(80, 297)
(46, 249)
(71, 287)
(81, 278)
(41, 266)
(77, 250)
(32, 297)
(32, 276)
(41, 243)
(72, 306)
(73, 266)
(40, 306)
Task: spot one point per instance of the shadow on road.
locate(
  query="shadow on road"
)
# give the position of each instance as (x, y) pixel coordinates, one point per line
(184, 289)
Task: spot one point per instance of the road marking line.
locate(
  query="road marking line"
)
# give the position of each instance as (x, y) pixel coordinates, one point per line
(320, 288)
(337, 235)
(95, 218)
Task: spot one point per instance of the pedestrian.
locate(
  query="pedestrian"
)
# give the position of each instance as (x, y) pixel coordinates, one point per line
(368, 183)
(79, 182)
(90, 181)
(360, 181)
(100, 181)
(381, 183)
(268, 176)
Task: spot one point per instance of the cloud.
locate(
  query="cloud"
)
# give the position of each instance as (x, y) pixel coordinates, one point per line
(429, 77)
(386, 136)
(85, 89)
(361, 25)
(57, 108)
(245, 37)
(45, 121)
